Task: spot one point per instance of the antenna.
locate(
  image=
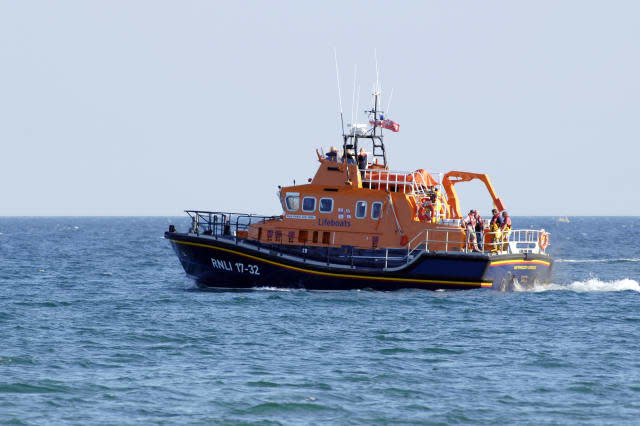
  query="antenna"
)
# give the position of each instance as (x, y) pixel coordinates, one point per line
(387, 111)
(375, 99)
(375, 56)
(335, 56)
(353, 97)
(358, 103)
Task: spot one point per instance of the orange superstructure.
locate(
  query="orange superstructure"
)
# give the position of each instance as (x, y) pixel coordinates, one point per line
(364, 208)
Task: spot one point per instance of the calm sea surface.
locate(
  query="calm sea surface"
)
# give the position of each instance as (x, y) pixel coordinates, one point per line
(99, 325)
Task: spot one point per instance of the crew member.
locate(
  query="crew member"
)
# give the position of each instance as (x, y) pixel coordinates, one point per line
(227, 225)
(332, 155)
(349, 156)
(432, 194)
(362, 161)
(479, 230)
(434, 212)
(469, 223)
(494, 230)
(505, 228)
(437, 205)
(442, 208)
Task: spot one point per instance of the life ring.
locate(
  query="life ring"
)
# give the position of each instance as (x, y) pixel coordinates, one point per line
(422, 214)
(543, 240)
(425, 213)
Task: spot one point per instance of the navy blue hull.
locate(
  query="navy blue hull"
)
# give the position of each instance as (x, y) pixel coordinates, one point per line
(220, 263)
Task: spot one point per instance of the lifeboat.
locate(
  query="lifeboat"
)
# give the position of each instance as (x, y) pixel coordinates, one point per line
(357, 224)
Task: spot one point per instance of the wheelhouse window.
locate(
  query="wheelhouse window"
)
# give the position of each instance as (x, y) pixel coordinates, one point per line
(308, 204)
(326, 205)
(292, 200)
(361, 209)
(376, 209)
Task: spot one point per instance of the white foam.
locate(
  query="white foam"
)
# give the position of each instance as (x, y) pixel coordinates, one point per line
(590, 285)
(276, 289)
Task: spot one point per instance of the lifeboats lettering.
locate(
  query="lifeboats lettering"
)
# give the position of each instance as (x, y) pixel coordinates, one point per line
(524, 267)
(331, 222)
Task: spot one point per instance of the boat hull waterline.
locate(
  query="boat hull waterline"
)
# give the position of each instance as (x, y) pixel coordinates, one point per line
(216, 263)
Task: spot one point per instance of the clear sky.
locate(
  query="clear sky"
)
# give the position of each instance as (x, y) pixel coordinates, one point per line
(153, 107)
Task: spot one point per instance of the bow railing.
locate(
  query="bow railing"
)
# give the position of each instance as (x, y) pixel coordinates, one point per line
(224, 224)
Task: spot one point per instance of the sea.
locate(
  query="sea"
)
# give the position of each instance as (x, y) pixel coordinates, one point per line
(100, 325)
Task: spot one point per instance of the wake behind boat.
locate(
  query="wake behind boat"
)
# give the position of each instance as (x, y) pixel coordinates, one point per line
(359, 225)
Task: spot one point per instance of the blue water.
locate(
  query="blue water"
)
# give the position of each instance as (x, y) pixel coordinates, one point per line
(99, 325)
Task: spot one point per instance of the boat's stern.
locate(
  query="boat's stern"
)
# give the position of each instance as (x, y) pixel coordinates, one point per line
(518, 271)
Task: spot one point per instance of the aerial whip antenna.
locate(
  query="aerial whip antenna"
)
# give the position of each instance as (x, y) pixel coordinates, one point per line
(375, 56)
(358, 103)
(389, 104)
(344, 136)
(335, 56)
(353, 97)
(377, 91)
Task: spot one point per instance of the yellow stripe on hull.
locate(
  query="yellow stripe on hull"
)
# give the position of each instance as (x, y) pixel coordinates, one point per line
(520, 262)
(333, 274)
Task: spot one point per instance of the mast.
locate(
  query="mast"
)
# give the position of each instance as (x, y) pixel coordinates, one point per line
(377, 140)
(350, 139)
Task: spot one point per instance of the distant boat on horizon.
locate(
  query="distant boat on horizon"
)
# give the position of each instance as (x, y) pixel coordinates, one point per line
(563, 219)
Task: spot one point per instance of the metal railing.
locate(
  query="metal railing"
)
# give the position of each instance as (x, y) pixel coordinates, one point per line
(428, 238)
(395, 181)
(227, 225)
(223, 224)
(515, 241)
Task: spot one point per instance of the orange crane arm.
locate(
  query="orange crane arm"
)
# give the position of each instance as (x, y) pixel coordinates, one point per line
(453, 177)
